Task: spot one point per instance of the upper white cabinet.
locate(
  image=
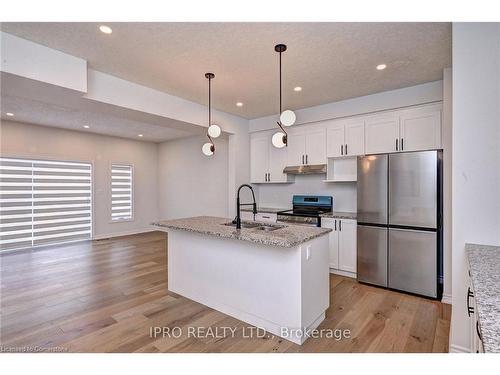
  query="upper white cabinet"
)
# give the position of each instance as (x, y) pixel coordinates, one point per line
(345, 138)
(296, 147)
(420, 129)
(266, 161)
(413, 129)
(259, 157)
(382, 134)
(410, 129)
(306, 145)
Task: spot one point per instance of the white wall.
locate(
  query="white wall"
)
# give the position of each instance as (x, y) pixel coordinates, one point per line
(34, 141)
(476, 155)
(190, 183)
(31, 60)
(280, 196)
(447, 183)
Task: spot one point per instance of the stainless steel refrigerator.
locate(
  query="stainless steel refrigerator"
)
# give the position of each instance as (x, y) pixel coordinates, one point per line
(399, 215)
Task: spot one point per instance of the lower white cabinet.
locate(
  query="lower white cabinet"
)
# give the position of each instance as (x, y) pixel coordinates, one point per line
(343, 251)
(476, 343)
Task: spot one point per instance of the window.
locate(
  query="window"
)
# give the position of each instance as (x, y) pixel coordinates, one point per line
(44, 202)
(121, 192)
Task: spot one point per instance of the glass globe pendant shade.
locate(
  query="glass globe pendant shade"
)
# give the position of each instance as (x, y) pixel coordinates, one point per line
(208, 149)
(214, 131)
(287, 118)
(278, 140)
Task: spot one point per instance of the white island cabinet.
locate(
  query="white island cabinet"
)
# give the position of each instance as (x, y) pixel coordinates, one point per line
(276, 280)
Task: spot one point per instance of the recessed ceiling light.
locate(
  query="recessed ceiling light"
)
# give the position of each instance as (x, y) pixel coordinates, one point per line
(297, 89)
(105, 29)
(381, 66)
(86, 126)
(139, 135)
(10, 114)
(239, 104)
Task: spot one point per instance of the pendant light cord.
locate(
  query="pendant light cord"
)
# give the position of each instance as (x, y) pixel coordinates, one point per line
(280, 86)
(279, 122)
(210, 108)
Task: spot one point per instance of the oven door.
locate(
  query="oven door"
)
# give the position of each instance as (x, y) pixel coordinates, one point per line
(311, 221)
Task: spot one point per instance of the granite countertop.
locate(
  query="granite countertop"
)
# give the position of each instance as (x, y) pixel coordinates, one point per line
(340, 215)
(267, 210)
(287, 236)
(484, 263)
(333, 215)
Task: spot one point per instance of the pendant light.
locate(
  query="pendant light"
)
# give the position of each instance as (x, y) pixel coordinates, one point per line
(213, 130)
(287, 117)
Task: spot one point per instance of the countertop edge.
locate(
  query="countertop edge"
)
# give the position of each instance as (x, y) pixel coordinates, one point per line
(486, 292)
(245, 236)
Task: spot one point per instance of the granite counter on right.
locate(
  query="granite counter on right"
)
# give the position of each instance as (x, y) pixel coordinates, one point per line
(484, 267)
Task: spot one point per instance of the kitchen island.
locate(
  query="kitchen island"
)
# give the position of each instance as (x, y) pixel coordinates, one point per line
(275, 277)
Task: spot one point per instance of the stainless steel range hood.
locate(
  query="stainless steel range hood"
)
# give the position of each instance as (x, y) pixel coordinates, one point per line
(306, 169)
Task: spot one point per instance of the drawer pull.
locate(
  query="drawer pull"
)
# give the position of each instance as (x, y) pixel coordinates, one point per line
(477, 330)
(470, 309)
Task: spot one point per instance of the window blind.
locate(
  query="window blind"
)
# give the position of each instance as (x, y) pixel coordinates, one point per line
(121, 192)
(44, 202)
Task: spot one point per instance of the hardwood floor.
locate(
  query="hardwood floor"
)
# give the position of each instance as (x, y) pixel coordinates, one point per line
(105, 296)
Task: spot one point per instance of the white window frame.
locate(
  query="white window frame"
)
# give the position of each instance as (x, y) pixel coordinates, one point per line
(132, 193)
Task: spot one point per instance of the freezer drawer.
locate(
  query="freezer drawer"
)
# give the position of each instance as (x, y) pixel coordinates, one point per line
(413, 189)
(372, 189)
(372, 255)
(413, 261)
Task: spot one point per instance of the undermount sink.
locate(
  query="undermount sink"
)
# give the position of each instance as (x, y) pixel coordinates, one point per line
(243, 225)
(257, 226)
(270, 228)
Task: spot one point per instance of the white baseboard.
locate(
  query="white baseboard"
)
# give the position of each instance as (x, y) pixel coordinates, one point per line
(446, 299)
(458, 349)
(125, 233)
(343, 273)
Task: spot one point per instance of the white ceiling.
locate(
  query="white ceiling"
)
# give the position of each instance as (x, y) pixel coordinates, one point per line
(43, 104)
(330, 61)
(41, 113)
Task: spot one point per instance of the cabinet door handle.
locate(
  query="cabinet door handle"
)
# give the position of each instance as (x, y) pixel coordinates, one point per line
(341, 149)
(340, 225)
(396, 144)
(346, 148)
(470, 309)
(302, 159)
(402, 144)
(266, 217)
(306, 159)
(477, 330)
(269, 177)
(335, 224)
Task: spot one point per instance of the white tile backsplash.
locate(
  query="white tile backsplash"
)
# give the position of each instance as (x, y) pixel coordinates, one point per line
(280, 195)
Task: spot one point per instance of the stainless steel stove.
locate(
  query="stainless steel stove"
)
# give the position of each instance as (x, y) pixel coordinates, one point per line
(307, 210)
